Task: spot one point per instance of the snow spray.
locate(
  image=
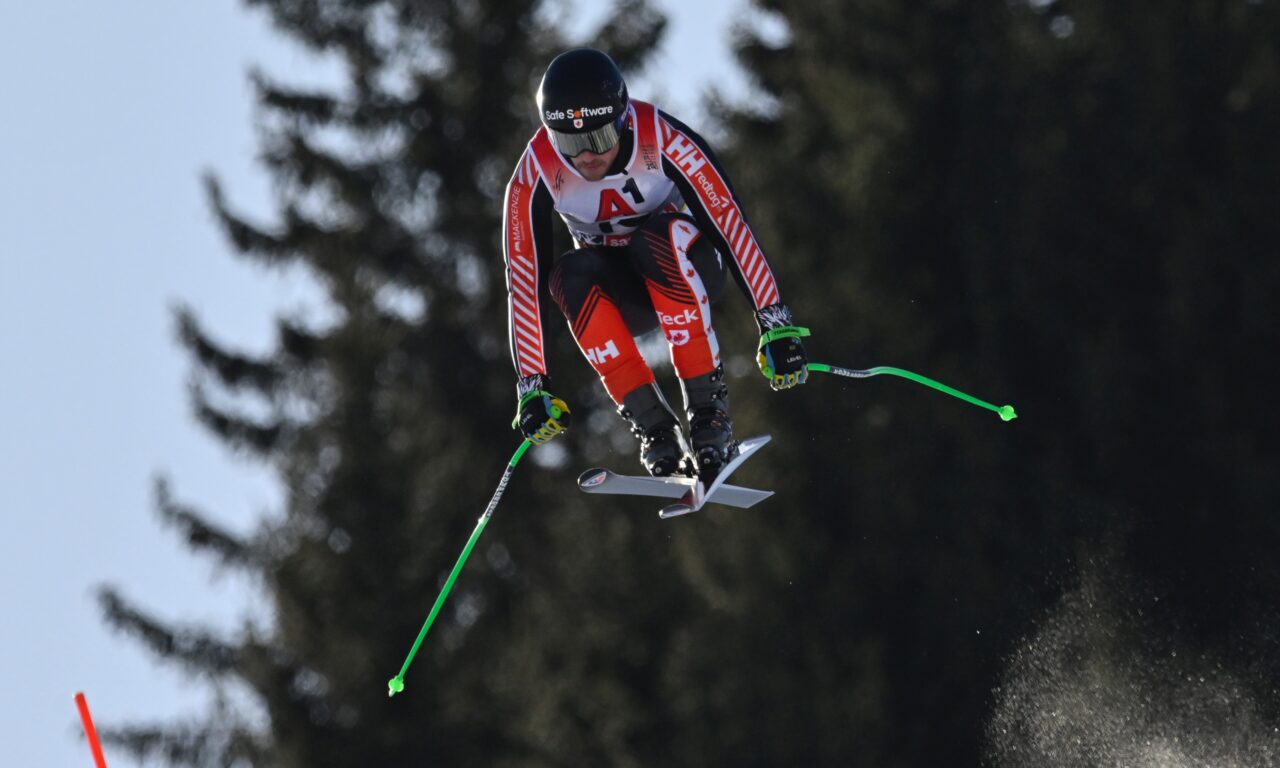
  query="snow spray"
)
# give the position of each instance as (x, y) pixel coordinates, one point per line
(1098, 683)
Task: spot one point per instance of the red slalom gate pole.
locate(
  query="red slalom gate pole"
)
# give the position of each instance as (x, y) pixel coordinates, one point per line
(89, 731)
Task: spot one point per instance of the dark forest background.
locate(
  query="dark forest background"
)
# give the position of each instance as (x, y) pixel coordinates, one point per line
(1069, 205)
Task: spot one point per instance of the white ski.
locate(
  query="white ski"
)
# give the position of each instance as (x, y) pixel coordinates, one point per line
(604, 481)
(600, 480)
(697, 495)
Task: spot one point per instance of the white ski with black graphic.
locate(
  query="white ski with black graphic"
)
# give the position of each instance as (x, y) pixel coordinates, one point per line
(699, 494)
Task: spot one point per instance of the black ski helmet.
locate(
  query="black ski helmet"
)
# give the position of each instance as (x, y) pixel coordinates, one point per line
(582, 101)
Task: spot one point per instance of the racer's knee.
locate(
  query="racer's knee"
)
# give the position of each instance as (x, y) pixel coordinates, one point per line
(666, 242)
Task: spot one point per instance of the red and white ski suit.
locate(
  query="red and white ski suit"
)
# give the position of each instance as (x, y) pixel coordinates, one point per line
(633, 242)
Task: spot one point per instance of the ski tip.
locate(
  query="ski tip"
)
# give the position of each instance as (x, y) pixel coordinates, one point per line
(592, 477)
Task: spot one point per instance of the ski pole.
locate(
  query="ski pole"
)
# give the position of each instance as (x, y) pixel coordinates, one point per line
(1005, 412)
(90, 732)
(396, 684)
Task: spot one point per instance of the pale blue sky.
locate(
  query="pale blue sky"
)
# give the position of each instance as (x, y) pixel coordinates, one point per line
(103, 227)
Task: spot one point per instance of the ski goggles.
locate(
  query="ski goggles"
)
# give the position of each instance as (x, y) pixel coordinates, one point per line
(598, 140)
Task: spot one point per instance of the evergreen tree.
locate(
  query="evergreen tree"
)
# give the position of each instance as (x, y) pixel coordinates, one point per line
(1061, 204)
(388, 426)
(1065, 204)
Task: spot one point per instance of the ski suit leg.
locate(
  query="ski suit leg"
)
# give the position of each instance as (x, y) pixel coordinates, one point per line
(606, 306)
(683, 275)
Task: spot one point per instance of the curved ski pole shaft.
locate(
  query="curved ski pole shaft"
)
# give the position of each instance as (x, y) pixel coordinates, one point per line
(396, 684)
(1005, 412)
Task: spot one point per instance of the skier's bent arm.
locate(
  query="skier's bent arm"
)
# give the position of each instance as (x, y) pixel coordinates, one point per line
(526, 243)
(526, 246)
(688, 160)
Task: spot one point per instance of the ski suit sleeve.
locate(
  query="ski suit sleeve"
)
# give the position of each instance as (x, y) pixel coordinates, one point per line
(689, 162)
(526, 248)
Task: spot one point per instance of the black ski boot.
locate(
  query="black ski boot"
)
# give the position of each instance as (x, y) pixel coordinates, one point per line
(654, 423)
(706, 403)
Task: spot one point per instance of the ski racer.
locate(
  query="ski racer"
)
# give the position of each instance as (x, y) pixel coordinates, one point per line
(656, 226)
